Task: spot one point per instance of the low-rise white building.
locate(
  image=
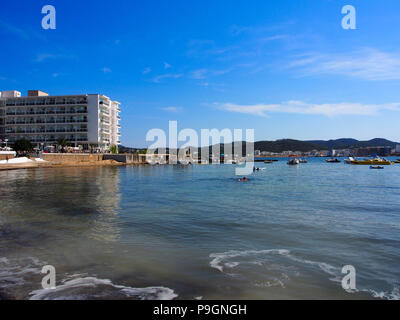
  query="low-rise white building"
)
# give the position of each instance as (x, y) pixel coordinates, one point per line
(83, 120)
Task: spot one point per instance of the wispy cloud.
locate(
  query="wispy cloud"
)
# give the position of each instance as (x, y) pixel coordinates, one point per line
(161, 77)
(41, 57)
(299, 107)
(167, 65)
(106, 70)
(367, 64)
(146, 70)
(208, 48)
(44, 56)
(200, 74)
(173, 109)
(14, 30)
(260, 29)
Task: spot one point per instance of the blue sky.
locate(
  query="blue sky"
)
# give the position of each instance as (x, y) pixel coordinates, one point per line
(285, 68)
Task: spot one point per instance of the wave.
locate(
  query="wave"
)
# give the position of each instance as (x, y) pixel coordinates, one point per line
(94, 288)
(12, 275)
(218, 258)
(15, 278)
(394, 295)
(223, 261)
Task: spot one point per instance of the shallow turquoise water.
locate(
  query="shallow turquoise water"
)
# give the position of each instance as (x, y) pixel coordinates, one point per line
(195, 232)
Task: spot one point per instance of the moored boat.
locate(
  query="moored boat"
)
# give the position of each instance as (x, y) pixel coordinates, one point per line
(293, 162)
(349, 160)
(374, 161)
(332, 160)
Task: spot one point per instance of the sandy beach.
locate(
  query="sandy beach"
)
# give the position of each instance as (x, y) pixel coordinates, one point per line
(40, 164)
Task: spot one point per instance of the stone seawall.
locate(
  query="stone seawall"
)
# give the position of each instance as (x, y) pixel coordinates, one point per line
(126, 158)
(6, 156)
(71, 157)
(85, 157)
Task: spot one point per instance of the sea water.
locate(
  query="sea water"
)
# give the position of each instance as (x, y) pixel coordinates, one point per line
(195, 232)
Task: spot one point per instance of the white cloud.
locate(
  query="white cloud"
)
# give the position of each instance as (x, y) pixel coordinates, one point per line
(205, 73)
(44, 56)
(173, 109)
(198, 74)
(146, 70)
(367, 64)
(299, 107)
(50, 56)
(161, 77)
(23, 34)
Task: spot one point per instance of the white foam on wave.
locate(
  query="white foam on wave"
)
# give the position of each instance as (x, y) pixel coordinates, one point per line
(327, 268)
(219, 262)
(13, 274)
(394, 295)
(219, 258)
(75, 289)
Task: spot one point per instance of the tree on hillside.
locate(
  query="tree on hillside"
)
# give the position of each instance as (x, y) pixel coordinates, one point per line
(23, 145)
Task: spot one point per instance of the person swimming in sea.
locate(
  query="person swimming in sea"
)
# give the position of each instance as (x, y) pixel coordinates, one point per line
(244, 179)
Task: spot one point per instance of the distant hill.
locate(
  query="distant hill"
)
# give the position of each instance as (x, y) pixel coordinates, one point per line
(123, 149)
(353, 143)
(286, 145)
(303, 146)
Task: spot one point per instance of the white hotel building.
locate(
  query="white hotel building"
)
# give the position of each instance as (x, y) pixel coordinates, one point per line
(83, 120)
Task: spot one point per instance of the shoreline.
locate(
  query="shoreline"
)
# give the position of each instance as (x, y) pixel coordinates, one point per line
(35, 165)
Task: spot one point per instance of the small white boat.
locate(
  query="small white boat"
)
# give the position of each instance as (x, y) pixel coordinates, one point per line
(349, 160)
(293, 162)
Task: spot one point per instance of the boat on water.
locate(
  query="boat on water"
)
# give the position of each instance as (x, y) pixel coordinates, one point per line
(332, 160)
(374, 161)
(397, 161)
(293, 162)
(377, 167)
(303, 160)
(349, 160)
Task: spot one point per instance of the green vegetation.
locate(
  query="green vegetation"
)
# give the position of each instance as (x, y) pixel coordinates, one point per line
(23, 145)
(141, 151)
(114, 149)
(63, 143)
